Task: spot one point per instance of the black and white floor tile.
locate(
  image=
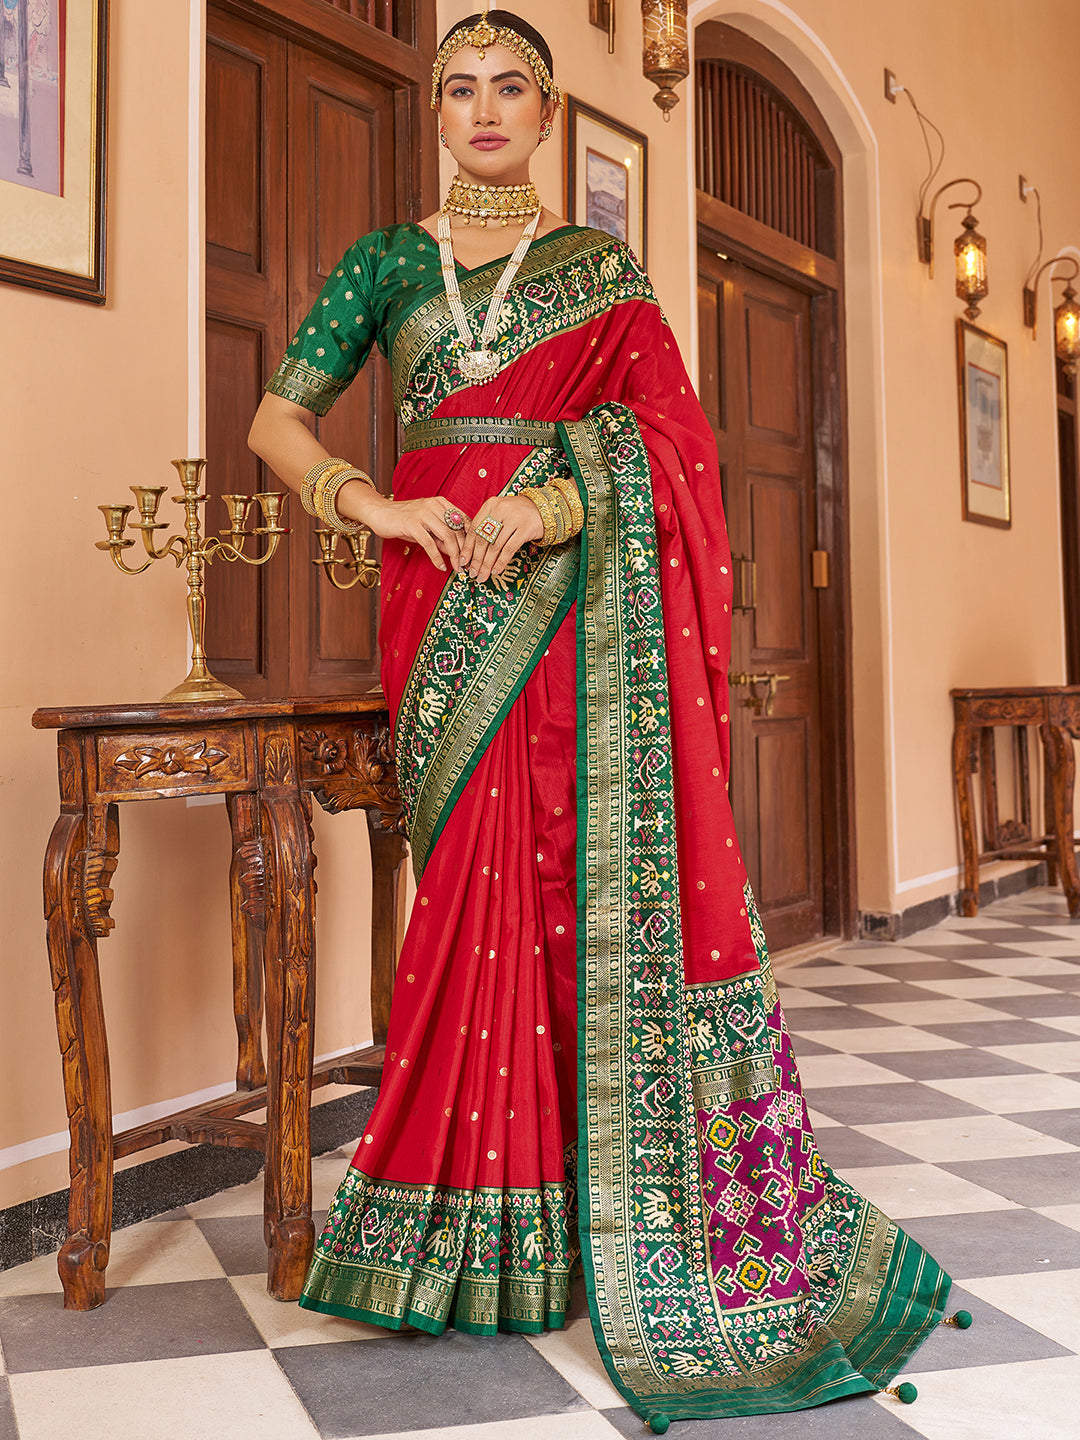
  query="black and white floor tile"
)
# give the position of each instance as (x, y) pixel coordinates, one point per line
(944, 1079)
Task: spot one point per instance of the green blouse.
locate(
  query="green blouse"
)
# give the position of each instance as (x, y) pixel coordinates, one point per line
(387, 290)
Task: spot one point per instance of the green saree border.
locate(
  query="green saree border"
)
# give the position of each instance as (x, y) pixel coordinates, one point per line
(484, 1259)
(548, 298)
(442, 731)
(671, 1344)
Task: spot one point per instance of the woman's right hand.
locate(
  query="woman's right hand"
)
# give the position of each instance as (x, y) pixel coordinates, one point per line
(422, 521)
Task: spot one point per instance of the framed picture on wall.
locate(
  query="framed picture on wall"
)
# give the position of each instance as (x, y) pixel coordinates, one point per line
(607, 176)
(984, 426)
(53, 80)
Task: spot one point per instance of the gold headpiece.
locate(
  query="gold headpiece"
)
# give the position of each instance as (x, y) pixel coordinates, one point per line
(483, 35)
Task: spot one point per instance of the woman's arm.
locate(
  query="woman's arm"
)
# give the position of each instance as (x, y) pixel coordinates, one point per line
(281, 435)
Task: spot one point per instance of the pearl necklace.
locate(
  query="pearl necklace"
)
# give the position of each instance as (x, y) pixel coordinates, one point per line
(478, 364)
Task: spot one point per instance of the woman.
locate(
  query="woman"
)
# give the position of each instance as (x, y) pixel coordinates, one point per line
(585, 1037)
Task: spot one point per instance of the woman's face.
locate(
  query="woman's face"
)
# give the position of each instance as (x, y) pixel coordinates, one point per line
(491, 114)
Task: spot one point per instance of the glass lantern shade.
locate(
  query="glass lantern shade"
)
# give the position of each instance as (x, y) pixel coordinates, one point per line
(1067, 330)
(665, 49)
(972, 284)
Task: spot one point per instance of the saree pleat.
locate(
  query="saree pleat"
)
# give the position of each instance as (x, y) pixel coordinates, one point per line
(586, 1049)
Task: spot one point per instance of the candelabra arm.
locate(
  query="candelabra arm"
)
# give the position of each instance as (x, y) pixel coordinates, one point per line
(118, 559)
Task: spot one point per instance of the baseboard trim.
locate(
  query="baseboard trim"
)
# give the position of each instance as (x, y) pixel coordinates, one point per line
(875, 925)
(39, 1227)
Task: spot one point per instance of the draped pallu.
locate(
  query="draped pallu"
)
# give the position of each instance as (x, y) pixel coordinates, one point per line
(586, 1052)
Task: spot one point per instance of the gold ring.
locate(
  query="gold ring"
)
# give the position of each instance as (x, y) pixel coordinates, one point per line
(490, 529)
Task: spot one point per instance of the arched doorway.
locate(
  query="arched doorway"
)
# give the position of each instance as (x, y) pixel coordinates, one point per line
(770, 305)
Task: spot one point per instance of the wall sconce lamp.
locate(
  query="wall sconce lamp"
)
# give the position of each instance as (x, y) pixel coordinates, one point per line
(969, 248)
(602, 15)
(665, 49)
(1066, 315)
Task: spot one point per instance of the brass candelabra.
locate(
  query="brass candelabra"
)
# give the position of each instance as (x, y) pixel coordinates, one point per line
(365, 570)
(196, 552)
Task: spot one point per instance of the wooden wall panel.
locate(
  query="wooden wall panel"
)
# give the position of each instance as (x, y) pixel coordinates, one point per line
(235, 622)
(343, 125)
(235, 107)
(246, 250)
(783, 791)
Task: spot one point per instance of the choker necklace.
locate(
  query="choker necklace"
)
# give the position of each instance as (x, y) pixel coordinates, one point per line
(484, 202)
(478, 364)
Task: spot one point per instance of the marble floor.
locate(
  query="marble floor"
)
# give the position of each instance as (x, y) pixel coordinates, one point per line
(944, 1080)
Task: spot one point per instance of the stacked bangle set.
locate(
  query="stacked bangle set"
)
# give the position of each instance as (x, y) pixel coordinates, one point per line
(320, 488)
(558, 502)
(560, 508)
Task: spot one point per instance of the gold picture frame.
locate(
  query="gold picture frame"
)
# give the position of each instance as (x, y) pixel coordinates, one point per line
(607, 176)
(53, 105)
(983, 383)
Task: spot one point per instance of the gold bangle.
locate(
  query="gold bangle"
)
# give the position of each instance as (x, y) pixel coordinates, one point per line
(321, 483)
(569, 491)
(562, 510)
(307, 485)
(326, 501)
(540, 497)
(328, 511)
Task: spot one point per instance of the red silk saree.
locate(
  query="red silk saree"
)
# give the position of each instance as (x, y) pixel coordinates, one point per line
(586, 1053)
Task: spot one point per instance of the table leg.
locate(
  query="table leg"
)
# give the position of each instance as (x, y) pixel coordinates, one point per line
(388, 854)
(79, 864)
(964, 735)
(247, 885)
(290, 1022)
(1061, 765)
(1048, 823)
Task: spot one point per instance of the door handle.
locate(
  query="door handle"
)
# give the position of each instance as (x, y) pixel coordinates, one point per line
(744, 583)
(758, 703)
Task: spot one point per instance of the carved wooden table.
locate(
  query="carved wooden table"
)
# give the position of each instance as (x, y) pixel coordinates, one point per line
(268, 758)
(1055, 709)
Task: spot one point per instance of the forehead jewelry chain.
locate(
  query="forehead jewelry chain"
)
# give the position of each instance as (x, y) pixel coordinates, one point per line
(480, 363)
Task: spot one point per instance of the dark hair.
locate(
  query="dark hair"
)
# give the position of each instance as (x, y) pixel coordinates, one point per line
(507, 19)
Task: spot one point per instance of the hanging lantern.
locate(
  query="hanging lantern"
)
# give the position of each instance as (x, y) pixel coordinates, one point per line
(1067, 331)
(972, 284)
(666, 49)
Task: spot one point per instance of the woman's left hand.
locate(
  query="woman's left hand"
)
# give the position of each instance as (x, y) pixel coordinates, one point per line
(521, 523)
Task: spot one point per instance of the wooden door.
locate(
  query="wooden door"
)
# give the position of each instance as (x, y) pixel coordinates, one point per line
(341, 186)
(756, 386)
(246, 330)
(313, 139)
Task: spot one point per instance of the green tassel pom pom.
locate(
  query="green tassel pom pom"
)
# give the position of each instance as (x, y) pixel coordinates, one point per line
(905, 1393)
(962, 1319)
(659, 1424)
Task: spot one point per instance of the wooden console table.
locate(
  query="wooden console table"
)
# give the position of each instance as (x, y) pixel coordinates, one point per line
(1055, 709)
(268, 758)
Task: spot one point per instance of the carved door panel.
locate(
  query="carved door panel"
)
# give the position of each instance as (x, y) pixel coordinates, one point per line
(756, 374)
(341, 185)
(246, 250)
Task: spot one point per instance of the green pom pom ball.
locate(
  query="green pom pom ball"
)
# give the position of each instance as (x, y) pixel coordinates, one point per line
(659, 1424)
(962, 1319)
(907, 1393)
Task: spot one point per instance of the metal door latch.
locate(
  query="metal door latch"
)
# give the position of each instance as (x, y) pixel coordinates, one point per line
(760, 704)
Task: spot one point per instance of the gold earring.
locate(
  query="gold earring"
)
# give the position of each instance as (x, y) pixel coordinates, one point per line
(546, 131)
(442, 137)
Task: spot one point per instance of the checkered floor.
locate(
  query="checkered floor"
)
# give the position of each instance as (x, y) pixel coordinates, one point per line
(944, 1079)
